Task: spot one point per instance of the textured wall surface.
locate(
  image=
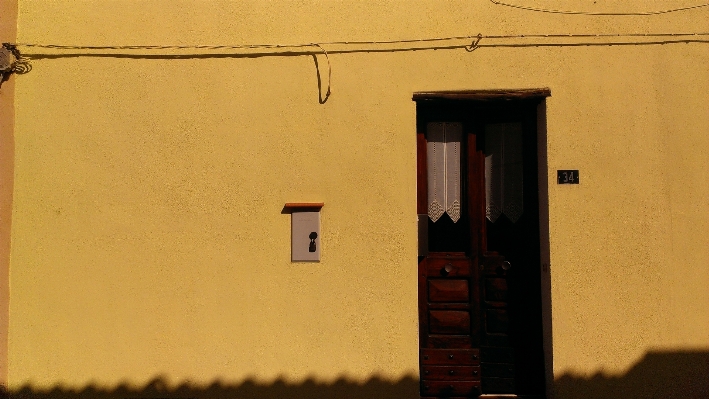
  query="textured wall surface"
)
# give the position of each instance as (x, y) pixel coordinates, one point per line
(147, 234)
(8, 32)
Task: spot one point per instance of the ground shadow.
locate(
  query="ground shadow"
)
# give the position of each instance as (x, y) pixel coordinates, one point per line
(666, 375)
(375, 387)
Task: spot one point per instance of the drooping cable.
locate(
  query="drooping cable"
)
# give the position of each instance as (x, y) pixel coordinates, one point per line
(329, 76)
(571, 12)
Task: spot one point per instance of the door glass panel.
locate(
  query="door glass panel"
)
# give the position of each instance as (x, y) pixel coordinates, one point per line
(504, 191)
(448, 228)
(443, 162)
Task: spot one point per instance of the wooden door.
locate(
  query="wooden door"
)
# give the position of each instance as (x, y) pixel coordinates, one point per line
(479, 288)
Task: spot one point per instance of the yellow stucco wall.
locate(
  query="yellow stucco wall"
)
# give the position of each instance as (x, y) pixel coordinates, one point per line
(147, 234)
(8, 32)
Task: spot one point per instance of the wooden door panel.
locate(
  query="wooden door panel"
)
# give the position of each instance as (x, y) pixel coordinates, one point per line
(495, 289)
(449, 296)
(498, 385)
(496, 321)
(450, 388)
(457, 265)
(499, 370)
(451, 290)
(449, 322)
(450, 357)
(450, 373)
(450, 341)
(497, 354)
(446, 301)
(497, 340)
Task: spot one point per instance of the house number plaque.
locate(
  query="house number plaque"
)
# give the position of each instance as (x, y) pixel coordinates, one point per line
(567, 177)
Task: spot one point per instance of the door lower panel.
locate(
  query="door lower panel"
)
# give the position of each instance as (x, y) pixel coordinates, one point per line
(450, 388)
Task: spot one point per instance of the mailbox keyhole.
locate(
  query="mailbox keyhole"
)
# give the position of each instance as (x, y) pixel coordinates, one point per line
(312, 236)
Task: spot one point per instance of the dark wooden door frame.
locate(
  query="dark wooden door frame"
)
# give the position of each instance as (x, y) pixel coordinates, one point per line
(476, 96)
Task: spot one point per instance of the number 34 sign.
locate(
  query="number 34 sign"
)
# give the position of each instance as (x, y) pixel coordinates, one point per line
(567, 177)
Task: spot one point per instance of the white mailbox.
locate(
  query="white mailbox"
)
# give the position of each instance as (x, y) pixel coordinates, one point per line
(305, 231)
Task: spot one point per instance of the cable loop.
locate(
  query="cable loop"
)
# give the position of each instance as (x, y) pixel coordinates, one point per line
(329, 76)
(474, 45)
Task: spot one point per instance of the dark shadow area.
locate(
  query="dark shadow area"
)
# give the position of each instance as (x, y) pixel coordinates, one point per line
(375, 387)
(4, 77)
(658, 375)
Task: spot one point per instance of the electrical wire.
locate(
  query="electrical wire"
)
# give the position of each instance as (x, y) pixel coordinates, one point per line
(350, 43)
(595, 44)
(159, 47)
(598, 35)
(438, 43)
(551, 11)
(231, 47)
(329, 76)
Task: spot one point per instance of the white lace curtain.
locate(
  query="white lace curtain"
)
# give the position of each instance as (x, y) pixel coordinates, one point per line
(443, 163)
(503, 171)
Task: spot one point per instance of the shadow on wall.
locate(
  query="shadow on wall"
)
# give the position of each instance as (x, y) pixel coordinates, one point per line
(375, 387)
(659, 375)
(666, 375)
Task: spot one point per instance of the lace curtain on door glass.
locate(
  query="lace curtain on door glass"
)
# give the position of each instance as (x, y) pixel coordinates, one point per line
(443, 163)
(504, 192)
